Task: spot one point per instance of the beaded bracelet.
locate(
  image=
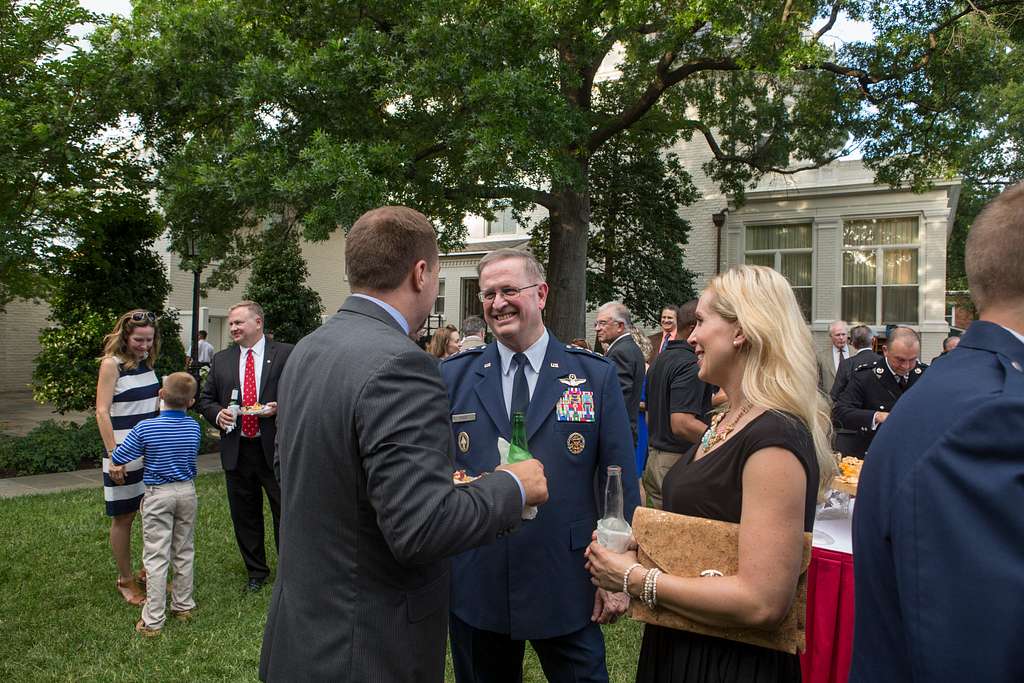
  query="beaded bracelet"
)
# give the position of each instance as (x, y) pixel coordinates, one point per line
(650, 593)
(625, 576)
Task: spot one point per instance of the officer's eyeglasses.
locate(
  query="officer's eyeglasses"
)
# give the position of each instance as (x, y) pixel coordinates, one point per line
(139, 316)
(506, 293)
(603, 323)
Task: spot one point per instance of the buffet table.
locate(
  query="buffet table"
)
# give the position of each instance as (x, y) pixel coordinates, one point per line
(830, 602)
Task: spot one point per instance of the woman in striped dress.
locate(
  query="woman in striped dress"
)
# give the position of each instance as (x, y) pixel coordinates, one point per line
(126, 393)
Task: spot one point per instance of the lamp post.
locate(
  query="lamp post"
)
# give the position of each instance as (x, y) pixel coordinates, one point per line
(192, 247)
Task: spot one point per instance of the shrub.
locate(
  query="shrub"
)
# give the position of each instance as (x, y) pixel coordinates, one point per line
(53, 447)
(66, 446)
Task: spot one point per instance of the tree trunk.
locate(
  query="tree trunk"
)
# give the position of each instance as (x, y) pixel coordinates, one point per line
(566, 312)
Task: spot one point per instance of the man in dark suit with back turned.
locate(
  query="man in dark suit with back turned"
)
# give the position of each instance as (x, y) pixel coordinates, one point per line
(366, 456)
(938, 529)
(253, 366)
(861, 338)
(612, 326)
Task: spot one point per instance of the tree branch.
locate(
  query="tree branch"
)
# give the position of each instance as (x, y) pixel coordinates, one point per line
(751, 160)
(828, 24)
(865, 78)
(664, 78)
(528, 194)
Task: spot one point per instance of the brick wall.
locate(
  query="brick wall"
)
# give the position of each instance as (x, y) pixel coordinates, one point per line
(19, 342)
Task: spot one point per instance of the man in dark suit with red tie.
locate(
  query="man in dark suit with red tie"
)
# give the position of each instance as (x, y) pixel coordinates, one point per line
(669, 320)
(252, 366)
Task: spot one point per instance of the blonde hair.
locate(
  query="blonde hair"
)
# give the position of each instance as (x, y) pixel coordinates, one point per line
(115, 344)
(438, 346)
(179, 388)
(779, 368)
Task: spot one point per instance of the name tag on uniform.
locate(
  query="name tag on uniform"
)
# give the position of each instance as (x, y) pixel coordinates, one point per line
(575, 405)
(464, 417)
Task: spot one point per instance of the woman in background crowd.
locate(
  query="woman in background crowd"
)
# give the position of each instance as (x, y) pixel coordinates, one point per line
(444, 343)
(581, 343)
(126, 393)
(759, 465)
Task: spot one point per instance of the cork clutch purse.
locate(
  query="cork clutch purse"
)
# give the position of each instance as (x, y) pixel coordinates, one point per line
(693, 546)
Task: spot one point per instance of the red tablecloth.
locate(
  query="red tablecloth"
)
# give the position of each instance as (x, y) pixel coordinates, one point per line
(829, 617)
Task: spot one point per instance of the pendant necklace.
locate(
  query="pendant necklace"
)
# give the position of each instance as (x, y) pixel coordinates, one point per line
(713, 436)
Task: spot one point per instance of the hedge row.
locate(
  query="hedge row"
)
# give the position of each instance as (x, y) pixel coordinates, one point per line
(65, 446)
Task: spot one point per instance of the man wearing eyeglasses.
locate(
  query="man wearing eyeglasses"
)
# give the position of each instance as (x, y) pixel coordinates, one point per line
(612, 326)
(532, 585)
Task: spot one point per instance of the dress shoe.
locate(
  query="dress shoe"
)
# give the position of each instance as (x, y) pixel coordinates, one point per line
(145, 631)
(184, 615)
(255, 585)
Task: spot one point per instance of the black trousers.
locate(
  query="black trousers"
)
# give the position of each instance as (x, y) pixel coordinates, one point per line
(484, 657)
(246, 485)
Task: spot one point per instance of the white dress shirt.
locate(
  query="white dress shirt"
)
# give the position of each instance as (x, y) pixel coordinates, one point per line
(258, 354)
(535, 359)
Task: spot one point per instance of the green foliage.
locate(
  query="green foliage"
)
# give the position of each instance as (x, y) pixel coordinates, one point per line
(277, 280)
(209, 439)
(53, 447)
(307, 115)
(111, 270)
(54, 165)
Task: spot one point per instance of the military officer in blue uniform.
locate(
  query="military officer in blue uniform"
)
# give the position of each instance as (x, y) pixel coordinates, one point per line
(874, 388)
(532, 584)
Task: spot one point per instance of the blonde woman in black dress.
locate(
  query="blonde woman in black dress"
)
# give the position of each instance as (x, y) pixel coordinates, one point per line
(760, 465)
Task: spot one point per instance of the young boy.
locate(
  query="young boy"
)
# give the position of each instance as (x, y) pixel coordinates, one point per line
(170, 443)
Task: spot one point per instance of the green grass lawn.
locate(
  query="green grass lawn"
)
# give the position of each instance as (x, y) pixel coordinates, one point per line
(61, 618)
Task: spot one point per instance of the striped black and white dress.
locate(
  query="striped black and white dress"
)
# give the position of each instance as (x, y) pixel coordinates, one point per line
(136, 398)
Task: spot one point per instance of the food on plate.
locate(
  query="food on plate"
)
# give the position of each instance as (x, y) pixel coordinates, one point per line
(254, 409)
(460, 477)
(849, 469)
(849, 475)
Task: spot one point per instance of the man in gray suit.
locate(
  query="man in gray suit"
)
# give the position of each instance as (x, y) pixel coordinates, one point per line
(370, 512)
(612, 326)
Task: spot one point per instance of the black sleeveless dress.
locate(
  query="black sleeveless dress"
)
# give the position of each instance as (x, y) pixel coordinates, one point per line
(712, 487)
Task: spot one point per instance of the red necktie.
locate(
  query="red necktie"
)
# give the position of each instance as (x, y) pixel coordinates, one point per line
(664, 342)
(250, 423)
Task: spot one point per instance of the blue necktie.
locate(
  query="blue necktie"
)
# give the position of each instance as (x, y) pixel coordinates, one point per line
(520, 389)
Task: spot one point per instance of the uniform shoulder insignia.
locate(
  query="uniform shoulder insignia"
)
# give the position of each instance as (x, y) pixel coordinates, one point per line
(866, 366)
(587, 353)
(466, 353)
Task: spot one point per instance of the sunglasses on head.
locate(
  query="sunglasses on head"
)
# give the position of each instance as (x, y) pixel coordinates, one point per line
(139, 316)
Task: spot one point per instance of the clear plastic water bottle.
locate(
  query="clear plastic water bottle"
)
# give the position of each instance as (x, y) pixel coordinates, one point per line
(613, 531)
(234, 408)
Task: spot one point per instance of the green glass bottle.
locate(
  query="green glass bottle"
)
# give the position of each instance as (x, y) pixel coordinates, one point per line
(518, 451)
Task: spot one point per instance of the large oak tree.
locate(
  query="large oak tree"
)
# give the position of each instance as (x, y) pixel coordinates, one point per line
(308, 112)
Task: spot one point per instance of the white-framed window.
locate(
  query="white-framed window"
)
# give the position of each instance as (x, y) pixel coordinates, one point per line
(503, 223)
(787, 248)
(439, 301)
(880, 270)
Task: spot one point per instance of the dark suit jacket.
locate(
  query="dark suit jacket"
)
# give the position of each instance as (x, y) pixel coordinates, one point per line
(872, 388)
(369, 510)
(534, 584)
(631, 369)
(655, 340)
(846, 368)
(938, 534)
(216, 395)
